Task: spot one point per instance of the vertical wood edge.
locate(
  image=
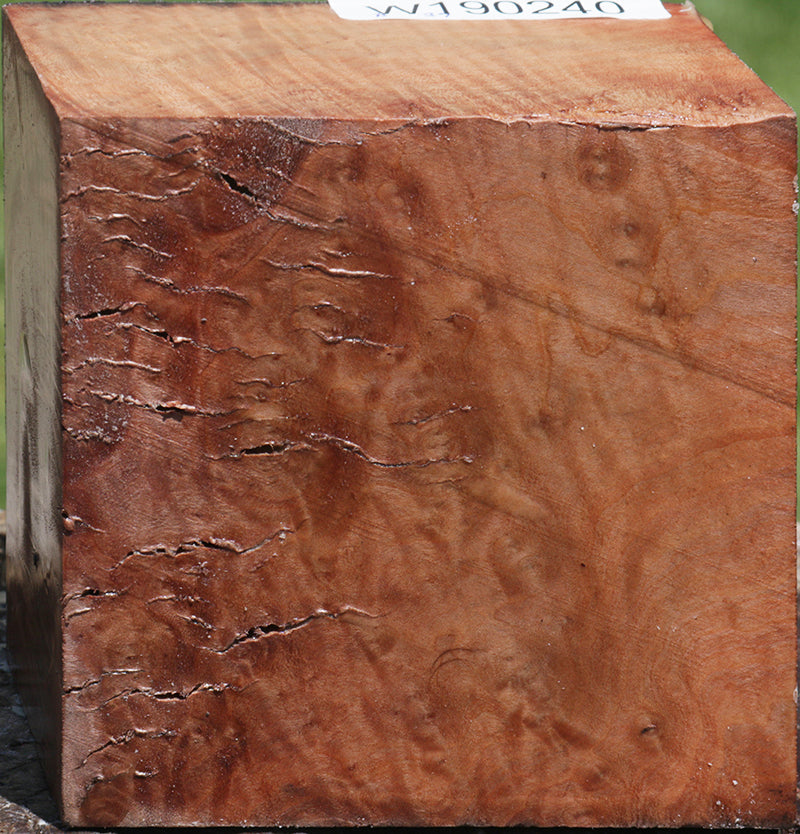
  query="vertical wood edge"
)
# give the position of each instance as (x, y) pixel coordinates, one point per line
(33, 393)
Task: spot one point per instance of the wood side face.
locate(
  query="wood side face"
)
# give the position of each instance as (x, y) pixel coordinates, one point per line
(438, 475)
(251, 59)
(33, 404)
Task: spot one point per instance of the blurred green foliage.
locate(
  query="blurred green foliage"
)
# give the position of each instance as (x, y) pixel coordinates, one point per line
(764, 33)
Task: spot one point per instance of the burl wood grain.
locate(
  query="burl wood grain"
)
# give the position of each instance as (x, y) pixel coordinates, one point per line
(426, 472)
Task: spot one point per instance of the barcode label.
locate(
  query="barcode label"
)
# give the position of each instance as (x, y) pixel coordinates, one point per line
(499, 9)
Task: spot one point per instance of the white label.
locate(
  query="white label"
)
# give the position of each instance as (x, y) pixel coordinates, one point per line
(499, 9)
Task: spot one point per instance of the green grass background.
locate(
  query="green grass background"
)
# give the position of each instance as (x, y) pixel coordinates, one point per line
(764, 33)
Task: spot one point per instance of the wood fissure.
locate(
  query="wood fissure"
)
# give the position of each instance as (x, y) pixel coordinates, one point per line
(422, 440)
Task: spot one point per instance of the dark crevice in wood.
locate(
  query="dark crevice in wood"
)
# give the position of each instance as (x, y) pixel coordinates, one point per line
(257, 632)
(268, 449)
(237, 186)
(106, 311)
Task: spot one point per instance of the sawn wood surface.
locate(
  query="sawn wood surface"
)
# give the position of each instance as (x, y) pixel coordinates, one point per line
(427, 439)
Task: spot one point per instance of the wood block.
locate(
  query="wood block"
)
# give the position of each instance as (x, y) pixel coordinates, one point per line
(401, 419)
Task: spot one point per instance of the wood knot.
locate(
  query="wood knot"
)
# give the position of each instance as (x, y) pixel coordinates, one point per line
(603, 162)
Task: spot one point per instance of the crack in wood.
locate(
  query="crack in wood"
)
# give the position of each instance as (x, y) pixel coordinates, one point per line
(171, 695)
(261, 631)
(116, 363)
(336, 339)
(354, 448)
(168, 410)
(126, 738)
(127, 240)
(210, 543)
(136, 195)
(332, 271)
(438, 415)
(71, 690)
(106, 311)
(170, 285)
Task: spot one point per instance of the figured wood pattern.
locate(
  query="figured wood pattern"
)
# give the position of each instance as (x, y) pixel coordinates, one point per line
(457, 533)
(227, 60)
(427, 472)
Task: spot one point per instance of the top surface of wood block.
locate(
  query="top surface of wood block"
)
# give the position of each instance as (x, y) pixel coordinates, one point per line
(301, 61)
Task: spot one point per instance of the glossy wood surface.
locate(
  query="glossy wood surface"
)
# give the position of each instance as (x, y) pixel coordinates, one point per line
(424, 471)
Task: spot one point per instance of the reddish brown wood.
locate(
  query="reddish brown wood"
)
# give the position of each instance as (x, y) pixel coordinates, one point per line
(427, 453)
